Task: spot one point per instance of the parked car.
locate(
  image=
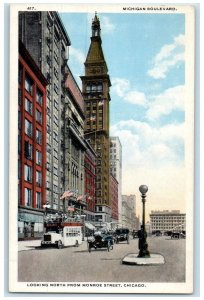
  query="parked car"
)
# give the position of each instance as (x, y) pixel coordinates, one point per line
(178, 235)
(122, 234)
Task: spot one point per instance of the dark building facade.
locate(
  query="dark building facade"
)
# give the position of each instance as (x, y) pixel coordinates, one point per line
(73, 143)
(46, 39)
(31, 146)
(90, 182)
(95, 87)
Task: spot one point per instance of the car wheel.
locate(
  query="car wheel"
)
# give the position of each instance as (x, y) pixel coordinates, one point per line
(89, 248)
(77, 243)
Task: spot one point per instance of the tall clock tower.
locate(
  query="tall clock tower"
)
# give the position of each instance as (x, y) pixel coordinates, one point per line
(95, 87)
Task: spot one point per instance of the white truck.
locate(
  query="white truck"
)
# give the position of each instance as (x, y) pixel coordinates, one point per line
(62, 234)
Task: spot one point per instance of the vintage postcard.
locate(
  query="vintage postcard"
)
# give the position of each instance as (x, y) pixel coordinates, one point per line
(101, 175)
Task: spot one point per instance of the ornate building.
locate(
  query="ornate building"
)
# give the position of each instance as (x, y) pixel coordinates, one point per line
(116, 169)
(73, 144)
(114, 199)
(95, 88)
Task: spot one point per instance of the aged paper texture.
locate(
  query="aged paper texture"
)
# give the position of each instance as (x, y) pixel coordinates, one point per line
(147, 63)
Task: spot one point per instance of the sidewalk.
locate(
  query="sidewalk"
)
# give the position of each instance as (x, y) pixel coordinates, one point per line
(28, 245)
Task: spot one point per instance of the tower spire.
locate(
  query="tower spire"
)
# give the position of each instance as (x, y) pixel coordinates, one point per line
(96, 29)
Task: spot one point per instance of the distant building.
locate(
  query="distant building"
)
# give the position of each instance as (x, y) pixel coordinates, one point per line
(31, 146)
(129, 218)
(116, 169)
(114, 198)
(168, 220)
(131, 201)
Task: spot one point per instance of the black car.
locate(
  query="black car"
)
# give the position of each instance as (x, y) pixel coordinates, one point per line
(99, 241)
(122, 234)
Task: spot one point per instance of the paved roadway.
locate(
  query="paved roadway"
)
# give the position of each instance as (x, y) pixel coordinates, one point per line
(76, 264)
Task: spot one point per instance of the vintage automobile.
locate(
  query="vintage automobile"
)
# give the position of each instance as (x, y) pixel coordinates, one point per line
(62, 234)
(178, 235)
(122, 234)
(99, 241)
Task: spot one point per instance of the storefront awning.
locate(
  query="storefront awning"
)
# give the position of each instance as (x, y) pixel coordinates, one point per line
(90, 226)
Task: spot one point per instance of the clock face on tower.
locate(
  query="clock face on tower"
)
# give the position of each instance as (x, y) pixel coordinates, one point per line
(95, 70)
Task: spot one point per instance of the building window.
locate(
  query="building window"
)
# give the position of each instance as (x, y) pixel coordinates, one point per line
(88, 88)
(28, 173)
(38, 137)
(38, 116)
(55, 171)
(56, 57)
(55, 153)
(19, 96)
(28, 148)
(56, 120)
(48, 60)
(28, 128)
(38, 157)
(55, 136)
(55, 104)
(20, 72)
(48, 128)
(19, 119)
(28, 106)
(28, 85)
(48, 148)
(56, 89)
(38, 200)
(56, 73)
(47, 185)
(99, 87)
(28, 197)
(19, 144)
(39, 97)
(38, 178)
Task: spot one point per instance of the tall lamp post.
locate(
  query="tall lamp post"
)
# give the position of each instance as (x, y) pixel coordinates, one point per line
(143, 246)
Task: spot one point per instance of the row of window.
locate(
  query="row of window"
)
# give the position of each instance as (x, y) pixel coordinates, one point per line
(28, 198)
(29, 109)
(167, 218)
(113, 151)
(28, 173)
(28, 151)
(95, 87)
(29, 86)
(29, 131)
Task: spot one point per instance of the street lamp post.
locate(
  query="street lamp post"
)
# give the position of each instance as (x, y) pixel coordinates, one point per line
(143, 246)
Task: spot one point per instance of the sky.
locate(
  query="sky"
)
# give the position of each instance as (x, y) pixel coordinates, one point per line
(145, 55)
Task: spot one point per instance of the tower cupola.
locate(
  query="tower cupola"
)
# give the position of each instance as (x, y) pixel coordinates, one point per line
(96, 29)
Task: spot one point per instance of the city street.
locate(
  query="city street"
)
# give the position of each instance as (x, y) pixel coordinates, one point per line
(76, 264)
